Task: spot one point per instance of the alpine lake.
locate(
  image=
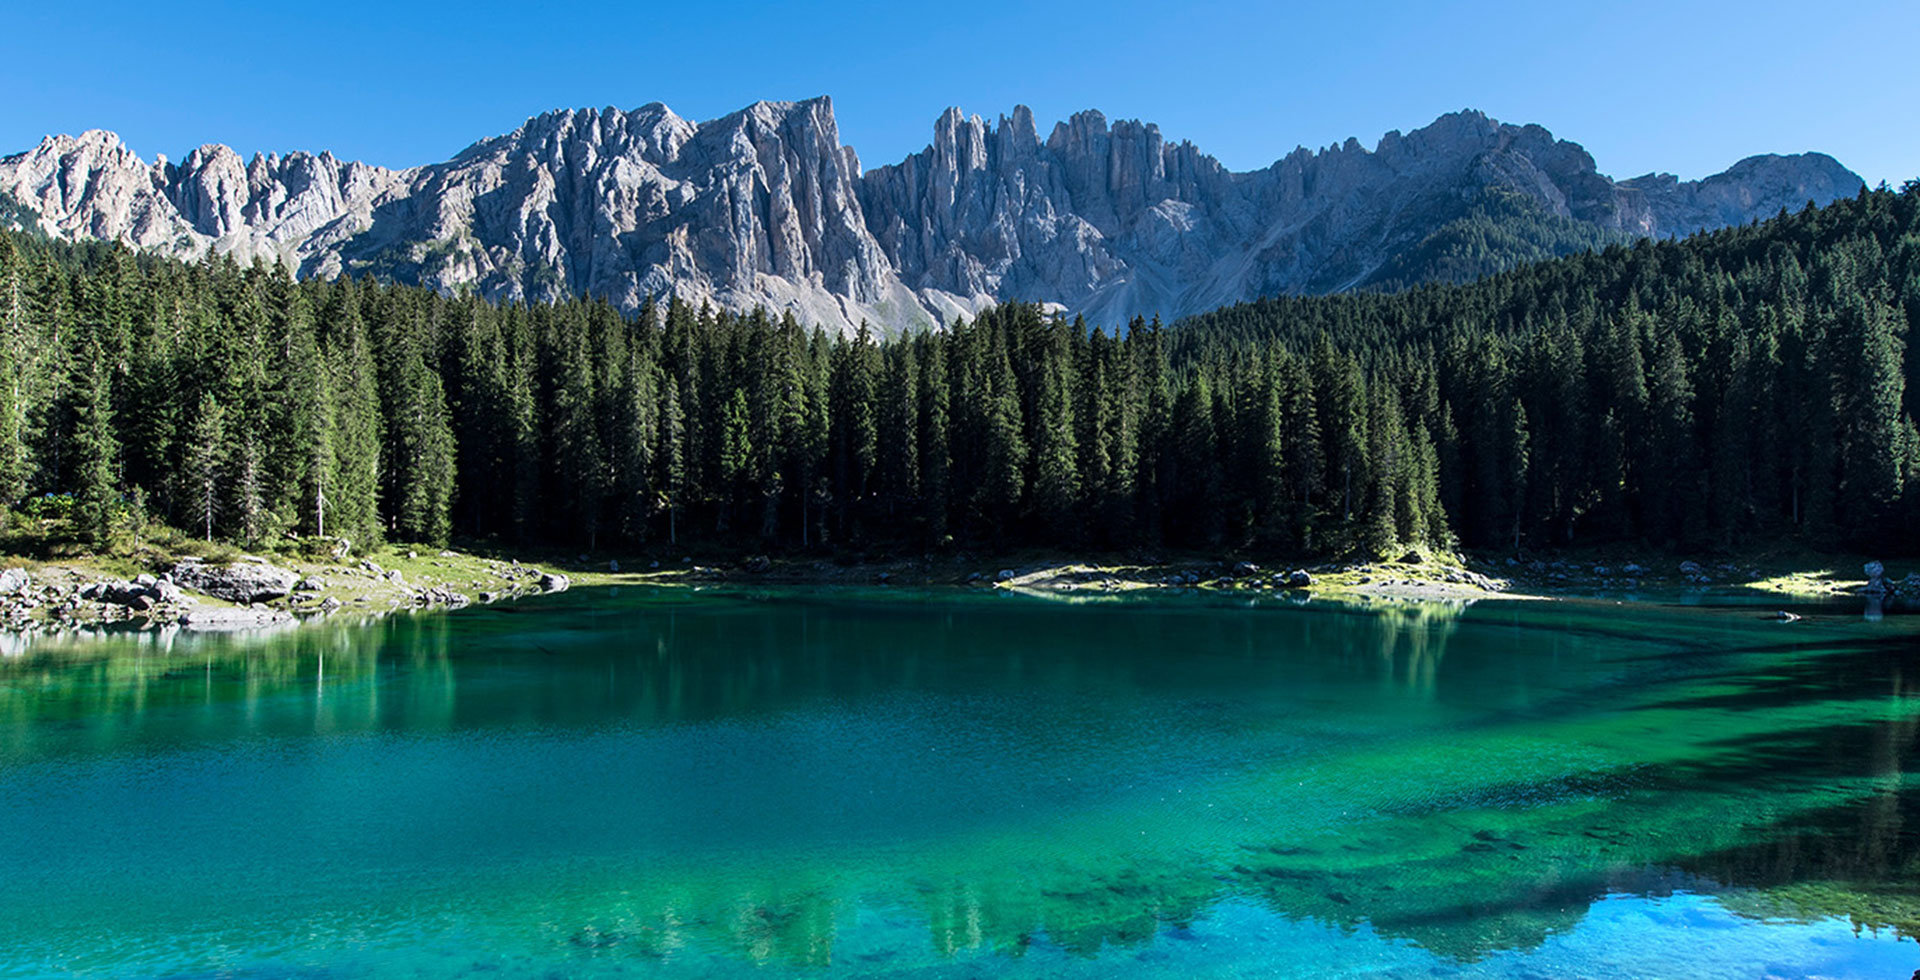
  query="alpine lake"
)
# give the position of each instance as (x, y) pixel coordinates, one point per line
(834, 782)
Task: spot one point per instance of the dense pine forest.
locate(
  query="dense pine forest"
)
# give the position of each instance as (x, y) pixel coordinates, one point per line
(1736, 387)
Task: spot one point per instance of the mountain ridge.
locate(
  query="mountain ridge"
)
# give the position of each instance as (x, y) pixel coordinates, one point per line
(765, 207)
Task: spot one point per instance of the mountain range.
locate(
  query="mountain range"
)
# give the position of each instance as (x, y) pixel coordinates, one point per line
(766, 207)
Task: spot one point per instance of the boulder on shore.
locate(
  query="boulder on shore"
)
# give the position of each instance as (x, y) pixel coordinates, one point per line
(554, 582)
(242, 582)
(14, 581)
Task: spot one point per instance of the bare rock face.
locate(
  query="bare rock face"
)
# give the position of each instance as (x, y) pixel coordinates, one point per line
(1114, 222)
(764, 207)
(1757, 187)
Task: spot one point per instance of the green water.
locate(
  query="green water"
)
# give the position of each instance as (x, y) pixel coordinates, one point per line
(826, 783)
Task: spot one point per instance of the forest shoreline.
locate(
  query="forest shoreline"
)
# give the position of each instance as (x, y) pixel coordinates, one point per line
(399, 579)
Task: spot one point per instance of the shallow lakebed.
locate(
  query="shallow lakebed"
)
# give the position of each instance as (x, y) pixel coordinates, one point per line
(835, 782)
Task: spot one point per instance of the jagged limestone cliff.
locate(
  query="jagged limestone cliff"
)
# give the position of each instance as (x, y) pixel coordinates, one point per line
(765, 207)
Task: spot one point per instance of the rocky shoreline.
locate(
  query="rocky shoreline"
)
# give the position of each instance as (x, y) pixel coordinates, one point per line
(253, 592)
(1413, 576)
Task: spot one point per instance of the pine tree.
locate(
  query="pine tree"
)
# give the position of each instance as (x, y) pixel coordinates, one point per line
(1056, 472)
(16, 376)
(672, 457)
(736, 452)
(897, 436)
(205, 460)
(1872, 386)
(1340, 402)
(425, 461)
(95, 451)
(1004, 457)
(936, 447)
(354, 500)
(1668, 466)
(855, 422)
(1195, 476)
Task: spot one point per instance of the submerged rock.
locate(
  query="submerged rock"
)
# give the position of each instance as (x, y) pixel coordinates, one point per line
(226, 618)
(247, 582)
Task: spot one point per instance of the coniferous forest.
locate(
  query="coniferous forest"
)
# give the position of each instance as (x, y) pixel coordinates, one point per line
(1733, 388)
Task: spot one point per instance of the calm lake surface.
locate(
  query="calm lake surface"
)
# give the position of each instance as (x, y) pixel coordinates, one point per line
(822, 783)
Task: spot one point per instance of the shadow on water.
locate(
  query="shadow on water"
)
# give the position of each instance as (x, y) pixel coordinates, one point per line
(1857, 668)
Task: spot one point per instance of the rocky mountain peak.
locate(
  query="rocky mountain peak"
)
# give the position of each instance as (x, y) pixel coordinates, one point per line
(764, 206)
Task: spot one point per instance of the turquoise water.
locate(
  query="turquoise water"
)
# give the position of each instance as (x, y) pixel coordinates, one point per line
(823, 783)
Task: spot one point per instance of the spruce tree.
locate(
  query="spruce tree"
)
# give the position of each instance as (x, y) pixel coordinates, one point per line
(354, 500)
(17, 388)
(204, 461)
(95, 450)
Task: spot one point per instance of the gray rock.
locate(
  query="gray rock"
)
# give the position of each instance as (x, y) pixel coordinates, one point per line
(239, 582)
(1299, 579)
(15, 581)
(311, 584)
(554, 582)
(123, 593)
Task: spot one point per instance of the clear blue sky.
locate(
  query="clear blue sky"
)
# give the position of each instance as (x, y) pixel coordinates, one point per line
(1683, 87)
